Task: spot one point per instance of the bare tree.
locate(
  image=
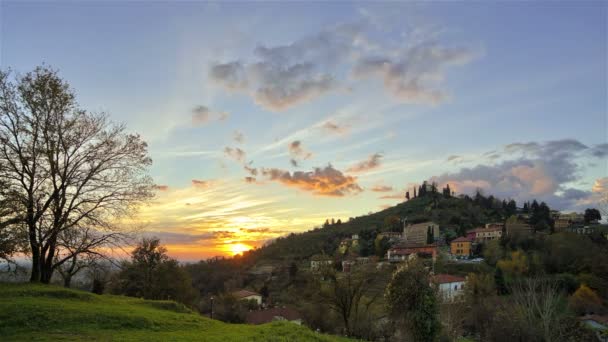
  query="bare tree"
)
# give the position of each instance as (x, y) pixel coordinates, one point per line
(65, 169)
(345, 292)
(540, 303)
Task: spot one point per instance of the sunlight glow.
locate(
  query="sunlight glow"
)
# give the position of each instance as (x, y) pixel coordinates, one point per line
(239, 248)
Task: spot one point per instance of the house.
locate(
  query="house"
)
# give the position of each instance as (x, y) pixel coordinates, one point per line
(391, 236)
(564, 221)
(273, 314)
(407, 251)
(449, 287)
(485, 234)
(461, 247)
(582, 230)
(347, 265)
(248, 295)
(496, 225)
(320, 260)
(347, 243)
(417, 233)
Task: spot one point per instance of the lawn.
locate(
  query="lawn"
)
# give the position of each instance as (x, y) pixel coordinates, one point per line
(31, 312)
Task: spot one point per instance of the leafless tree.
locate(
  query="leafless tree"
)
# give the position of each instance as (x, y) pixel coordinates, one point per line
(539, 302)
(65, 169)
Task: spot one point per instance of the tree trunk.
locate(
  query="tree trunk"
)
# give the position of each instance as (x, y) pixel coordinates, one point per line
(67, 280)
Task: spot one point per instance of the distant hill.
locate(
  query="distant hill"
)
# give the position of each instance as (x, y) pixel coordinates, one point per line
(452, 213)
(31, 312)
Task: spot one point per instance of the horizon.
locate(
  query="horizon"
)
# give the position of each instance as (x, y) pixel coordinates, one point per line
(265, 119)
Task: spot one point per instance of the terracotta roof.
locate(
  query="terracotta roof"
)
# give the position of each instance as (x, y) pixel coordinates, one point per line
(268, 315)
(447, 278)
(461, 239)
(244, 294)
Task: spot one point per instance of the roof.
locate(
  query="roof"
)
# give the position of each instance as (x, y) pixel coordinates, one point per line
(483, 229)
(244, 294)
(462, 239)
(268, 315)
(447, 278)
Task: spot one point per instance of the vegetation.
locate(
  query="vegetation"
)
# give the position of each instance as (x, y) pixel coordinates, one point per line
(48, 313)
(67, 175)
(412, 303)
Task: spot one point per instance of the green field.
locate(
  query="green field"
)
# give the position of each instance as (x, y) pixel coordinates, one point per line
(49, 313)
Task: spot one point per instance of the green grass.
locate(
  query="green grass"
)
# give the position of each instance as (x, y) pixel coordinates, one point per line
(32, 312)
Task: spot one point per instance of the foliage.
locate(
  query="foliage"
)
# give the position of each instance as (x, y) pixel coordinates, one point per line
(585, 301)
(412, 303)
(31, 312)
(151, 274)
(592, 215)
(515, 266)
(67, 174)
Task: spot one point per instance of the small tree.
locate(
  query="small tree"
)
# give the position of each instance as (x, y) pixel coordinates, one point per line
(412, 303)
(592, 215)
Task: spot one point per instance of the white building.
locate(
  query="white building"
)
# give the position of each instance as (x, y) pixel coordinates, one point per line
(248, 295)
(450, 287)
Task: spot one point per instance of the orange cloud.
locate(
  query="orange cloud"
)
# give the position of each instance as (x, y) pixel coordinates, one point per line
(382, 188)
(161, 187)
(322, 181)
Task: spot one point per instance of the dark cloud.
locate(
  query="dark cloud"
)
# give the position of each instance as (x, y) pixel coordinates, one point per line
(325, 181)
(161, 187)
(541, 170)
(600, 151)
(170, 238)
(279, 77)
(372, 162)
(293, 162)
(202, 115)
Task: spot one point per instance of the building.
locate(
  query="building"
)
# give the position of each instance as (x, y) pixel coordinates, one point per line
(449, 287)
(417, 233)
(320, 260)
(248, 295)
(273, 314)
(565, 221)
(407, 251)
(461, 247)
(582, 230)
(485, 234)
(347, 243)
(391, 236)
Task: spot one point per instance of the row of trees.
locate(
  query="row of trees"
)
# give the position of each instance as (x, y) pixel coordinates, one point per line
(67, 176)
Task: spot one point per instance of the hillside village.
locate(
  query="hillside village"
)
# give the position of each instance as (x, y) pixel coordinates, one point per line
(283, 276)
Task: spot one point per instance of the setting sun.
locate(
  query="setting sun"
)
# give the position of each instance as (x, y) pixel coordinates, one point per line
(238, 248)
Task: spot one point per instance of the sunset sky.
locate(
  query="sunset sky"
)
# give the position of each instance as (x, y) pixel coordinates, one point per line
(265, 118)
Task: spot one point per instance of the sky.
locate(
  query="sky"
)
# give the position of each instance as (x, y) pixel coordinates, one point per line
(266, 118)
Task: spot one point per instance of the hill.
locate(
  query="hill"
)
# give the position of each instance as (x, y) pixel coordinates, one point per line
(452, 213)
(31, 312)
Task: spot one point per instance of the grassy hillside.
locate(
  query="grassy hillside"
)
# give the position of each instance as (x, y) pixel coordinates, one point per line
(49, 313)
(452, 212)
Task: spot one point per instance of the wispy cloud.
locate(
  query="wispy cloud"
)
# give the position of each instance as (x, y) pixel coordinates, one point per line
(372, 162)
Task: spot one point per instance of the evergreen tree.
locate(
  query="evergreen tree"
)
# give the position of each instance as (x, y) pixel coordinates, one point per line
(339, 222)
(407, 195)
(499, 280)
(415, 192)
